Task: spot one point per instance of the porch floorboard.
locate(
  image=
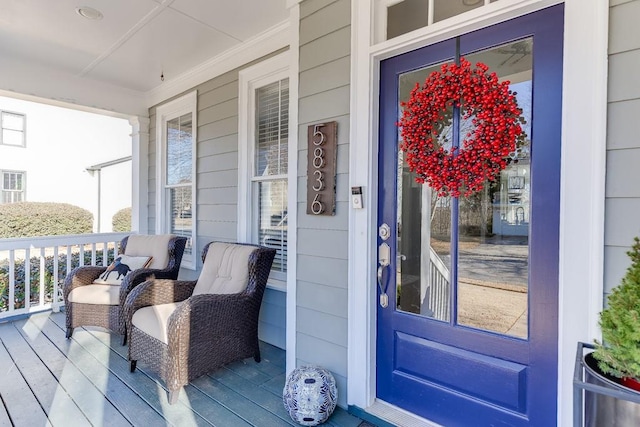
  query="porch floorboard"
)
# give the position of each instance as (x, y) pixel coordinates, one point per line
(46, 379)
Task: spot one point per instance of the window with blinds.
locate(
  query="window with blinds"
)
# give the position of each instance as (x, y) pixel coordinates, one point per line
(269, 179)
(179, 177)
(13, 187)
(13, 128)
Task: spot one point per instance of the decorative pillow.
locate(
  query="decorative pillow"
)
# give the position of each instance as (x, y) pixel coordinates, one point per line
(120, 267)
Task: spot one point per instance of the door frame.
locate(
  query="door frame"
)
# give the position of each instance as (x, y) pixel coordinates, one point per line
(580, 295)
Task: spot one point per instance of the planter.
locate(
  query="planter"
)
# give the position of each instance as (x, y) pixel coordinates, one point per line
(601, 400)
(631, 383)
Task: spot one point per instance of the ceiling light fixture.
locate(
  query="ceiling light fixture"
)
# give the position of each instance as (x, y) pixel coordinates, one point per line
(89, 13)
(470, 2)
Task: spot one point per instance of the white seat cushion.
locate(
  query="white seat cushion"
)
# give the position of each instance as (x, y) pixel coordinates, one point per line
(153, 320)
(225, 269)
(96, 294)
(153, 246)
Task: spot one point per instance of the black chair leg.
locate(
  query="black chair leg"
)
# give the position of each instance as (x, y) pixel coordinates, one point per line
(69, 332)
(124, 339)
(132, 365)
(256, 357)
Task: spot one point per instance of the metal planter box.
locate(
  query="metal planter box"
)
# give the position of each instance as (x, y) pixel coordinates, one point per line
(599, 401)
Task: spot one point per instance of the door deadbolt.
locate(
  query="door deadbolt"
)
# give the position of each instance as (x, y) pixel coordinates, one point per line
(384, 231)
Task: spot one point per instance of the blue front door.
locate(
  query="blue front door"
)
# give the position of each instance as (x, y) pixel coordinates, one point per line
(468, 336)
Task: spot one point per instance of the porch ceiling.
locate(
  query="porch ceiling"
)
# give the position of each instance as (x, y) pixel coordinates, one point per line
(46, 45)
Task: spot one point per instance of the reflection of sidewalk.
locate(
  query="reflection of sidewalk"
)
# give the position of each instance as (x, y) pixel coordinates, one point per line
(493, 306)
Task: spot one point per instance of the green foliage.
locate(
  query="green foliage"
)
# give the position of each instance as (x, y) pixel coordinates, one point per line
(34, 277)
(27, 219)
(121, 220)
(619, 355)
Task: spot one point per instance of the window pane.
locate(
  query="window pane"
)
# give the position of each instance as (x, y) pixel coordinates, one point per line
(406, 16)
(179, 150)
(444, 9)
(12, 137)
(272, 128)
(12, 128)
(272, 220)
(181, 222)
(13, 121)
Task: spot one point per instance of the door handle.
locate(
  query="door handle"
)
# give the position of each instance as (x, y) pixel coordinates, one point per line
(384, 258)
(384, 298)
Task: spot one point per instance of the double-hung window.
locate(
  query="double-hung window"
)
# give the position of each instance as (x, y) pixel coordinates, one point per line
(176, 172)
(13, 128)
(264, 150)
(13, 187)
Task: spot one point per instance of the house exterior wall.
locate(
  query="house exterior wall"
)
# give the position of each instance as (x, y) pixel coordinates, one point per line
(60, 143)
(217, 185)
(622, 202)
(322, 279)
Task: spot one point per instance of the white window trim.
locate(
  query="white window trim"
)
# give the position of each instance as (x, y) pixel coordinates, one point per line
(178, 107)
(581, 209)
(268, 71)
(24, 130)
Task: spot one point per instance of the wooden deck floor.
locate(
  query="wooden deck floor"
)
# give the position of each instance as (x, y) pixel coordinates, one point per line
(46, 379)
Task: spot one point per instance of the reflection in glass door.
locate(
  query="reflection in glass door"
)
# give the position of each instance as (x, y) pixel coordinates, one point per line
(492, 225)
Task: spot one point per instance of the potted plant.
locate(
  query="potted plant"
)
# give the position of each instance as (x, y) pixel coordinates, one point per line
(618, 355)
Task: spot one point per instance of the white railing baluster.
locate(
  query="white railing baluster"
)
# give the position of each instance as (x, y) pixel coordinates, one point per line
(43, 270)
(68, 261)
(11, 304)
(54, 297)
(27, 279)
(93, 254)
(105, 254)
(81, 257)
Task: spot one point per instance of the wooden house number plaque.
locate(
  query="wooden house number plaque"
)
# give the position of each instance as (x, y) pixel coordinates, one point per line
(321, 168)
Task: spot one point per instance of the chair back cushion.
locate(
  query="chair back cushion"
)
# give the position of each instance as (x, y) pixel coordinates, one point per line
(156, 247)
(225, 269)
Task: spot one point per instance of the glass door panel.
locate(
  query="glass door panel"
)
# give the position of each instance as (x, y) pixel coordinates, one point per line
(493, 224)
(492, 264)
(424, 229)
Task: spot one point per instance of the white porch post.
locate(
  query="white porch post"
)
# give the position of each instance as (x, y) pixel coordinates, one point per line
(582, 186)
(139, 174)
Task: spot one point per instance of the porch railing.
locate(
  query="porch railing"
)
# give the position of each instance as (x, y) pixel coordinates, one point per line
(439, 283)
(33, 269)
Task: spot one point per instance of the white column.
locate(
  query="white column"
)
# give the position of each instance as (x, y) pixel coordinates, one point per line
(582, 186)
(139, 174)
(292, 253)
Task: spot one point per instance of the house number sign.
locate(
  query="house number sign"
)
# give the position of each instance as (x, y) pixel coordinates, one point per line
(321, 168)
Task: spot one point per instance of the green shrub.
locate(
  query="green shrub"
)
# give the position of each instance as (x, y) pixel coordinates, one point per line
(27, 219)
(620, 323)
(122, 220)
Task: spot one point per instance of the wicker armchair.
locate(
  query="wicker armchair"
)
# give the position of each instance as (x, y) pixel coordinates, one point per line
(185, 329)
(98, 304)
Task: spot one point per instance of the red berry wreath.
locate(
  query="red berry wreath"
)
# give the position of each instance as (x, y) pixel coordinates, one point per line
(486, 103)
